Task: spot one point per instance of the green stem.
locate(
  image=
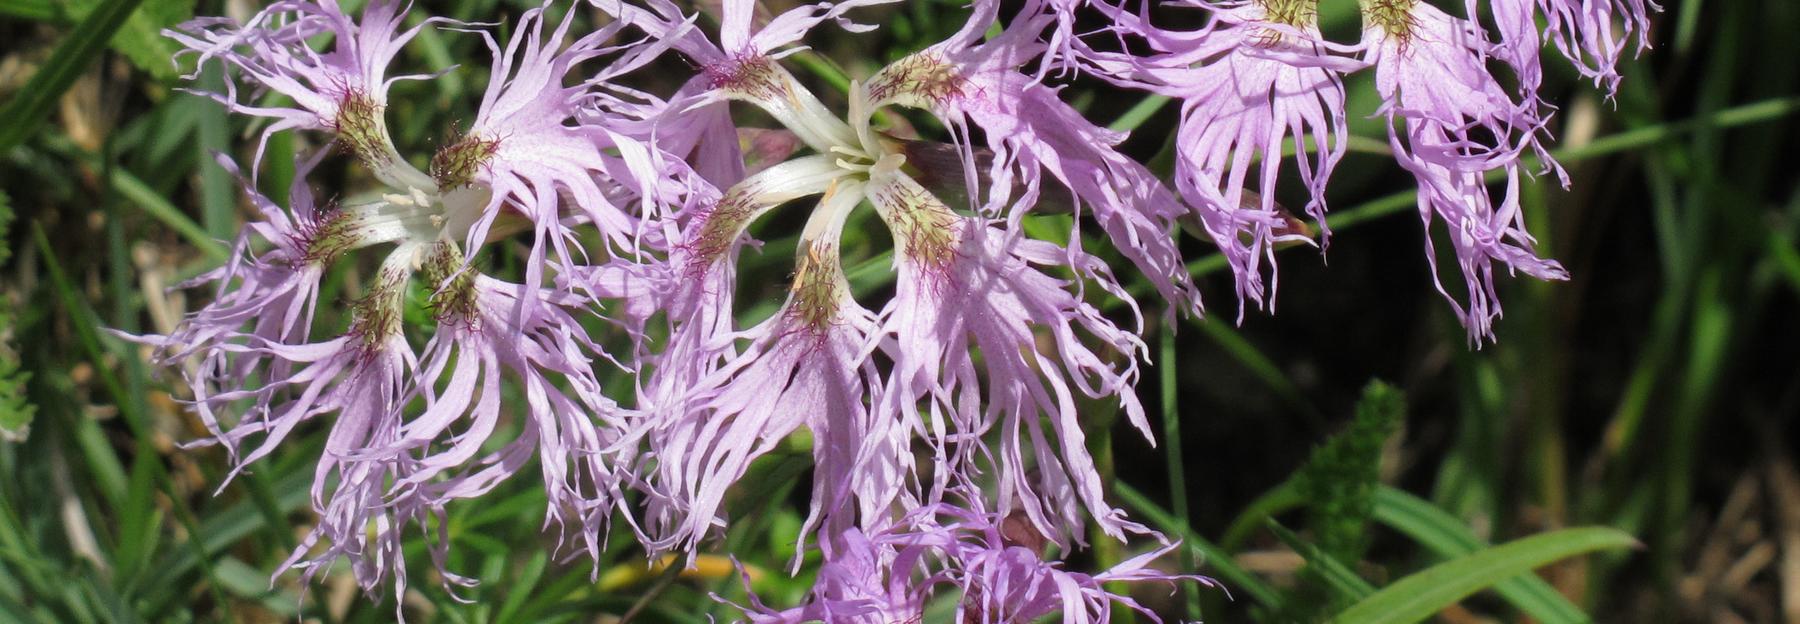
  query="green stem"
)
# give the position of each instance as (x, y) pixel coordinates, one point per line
(1177, 467)
(1234, 577)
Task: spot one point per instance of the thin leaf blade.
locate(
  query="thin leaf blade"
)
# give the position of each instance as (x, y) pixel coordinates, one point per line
(1447, 537)
(1422, 594)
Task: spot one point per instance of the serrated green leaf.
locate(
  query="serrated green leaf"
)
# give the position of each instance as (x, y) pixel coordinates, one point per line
(140, 39)
(15, 411)
(25, 113)
(1422, 594)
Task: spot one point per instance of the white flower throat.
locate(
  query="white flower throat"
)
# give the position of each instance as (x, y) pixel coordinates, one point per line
(852, 164)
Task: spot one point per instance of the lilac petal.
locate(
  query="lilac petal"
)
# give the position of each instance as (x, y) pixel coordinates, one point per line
(531, 145)
(806, 366)
(1249, 82)
(966, 81)
(888, 574)
(1459, 124)
(491, 331)
(342, 90)
(1592, 34)
(966, 287)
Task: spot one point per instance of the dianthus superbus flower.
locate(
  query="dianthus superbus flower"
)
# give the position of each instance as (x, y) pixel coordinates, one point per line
(1258, 76)
(972, 373)
(342, 90)
(1456, 123)
(1592, 34)
(1035, 138)
(992, 563)
(968, 282)
(410, 431)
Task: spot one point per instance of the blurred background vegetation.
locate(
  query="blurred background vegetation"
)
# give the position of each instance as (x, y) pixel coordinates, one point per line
(1653, 392)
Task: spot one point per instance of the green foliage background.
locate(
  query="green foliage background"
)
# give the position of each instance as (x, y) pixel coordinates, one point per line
(1653, 393)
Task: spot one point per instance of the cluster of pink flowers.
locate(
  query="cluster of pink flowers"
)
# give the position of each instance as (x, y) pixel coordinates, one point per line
(944, 420)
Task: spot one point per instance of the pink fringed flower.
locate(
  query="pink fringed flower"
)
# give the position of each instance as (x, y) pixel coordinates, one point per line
(1257, 77)
(1592, 34)
(859, 582)
(489, 331)
(993, 562)
(535, 142)
(343, 89)
(967, 284)
(1459, 123)
(979, 363)
(807, 365)
(361, 378)
(543, 156)
(967, 81)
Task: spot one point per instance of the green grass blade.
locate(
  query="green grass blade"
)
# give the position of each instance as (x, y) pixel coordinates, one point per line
(1255, 361)
(25, 114)
(34, 10)
(1214, 560)
(1339, 577)
(1177, 468)
(522, 588)
(1422, 594)
(1278, 499)
(1447, 537)
(1785, 256)
(1139, 113)
(218, 191)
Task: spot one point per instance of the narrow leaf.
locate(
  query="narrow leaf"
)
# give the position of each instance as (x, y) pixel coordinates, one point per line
(34, 10)
(1339, 577)
(1447, 537)
(1214, 560)
(1419, 596)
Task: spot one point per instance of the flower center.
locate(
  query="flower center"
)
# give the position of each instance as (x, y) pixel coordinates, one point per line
(1393, 17)
(417, 215)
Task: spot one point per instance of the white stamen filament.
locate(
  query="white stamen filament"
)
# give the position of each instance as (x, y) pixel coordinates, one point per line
(417, 215)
